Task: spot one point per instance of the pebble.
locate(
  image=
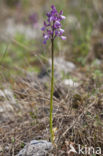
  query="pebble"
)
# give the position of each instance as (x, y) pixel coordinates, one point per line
(36, 148)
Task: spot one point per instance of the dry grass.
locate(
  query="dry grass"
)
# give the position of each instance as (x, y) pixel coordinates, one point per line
(78, 117)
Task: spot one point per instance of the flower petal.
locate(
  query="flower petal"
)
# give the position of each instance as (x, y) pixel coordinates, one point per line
(61, 12)
(44, 42)
(62, 17)
(63, 37)
(43, 28)
(61, 31)
(46, 37)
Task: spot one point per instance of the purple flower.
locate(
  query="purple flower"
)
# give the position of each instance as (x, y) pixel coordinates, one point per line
(57, 25)
(52, 26)
(61, 31)
(44, 42)
(62, 17)
(43, 28)
(63, 37)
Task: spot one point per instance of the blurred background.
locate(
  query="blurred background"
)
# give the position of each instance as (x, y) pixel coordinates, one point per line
(21, 38)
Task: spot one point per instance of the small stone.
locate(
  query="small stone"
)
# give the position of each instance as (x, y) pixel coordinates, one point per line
(6, 148)
(36, 148)
(62, 65)
(1, 149)
(70, 82)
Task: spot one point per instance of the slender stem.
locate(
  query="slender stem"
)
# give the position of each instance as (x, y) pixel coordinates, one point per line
(52, 90)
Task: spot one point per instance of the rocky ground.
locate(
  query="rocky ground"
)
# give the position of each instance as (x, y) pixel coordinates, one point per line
(77, 113)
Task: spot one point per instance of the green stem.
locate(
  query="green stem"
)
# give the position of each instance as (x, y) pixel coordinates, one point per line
(52, 90)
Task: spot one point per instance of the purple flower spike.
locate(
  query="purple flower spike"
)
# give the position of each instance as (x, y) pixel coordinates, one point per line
(52, 27)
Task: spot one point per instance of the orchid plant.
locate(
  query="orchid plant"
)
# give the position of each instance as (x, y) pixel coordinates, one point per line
(51, 30)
